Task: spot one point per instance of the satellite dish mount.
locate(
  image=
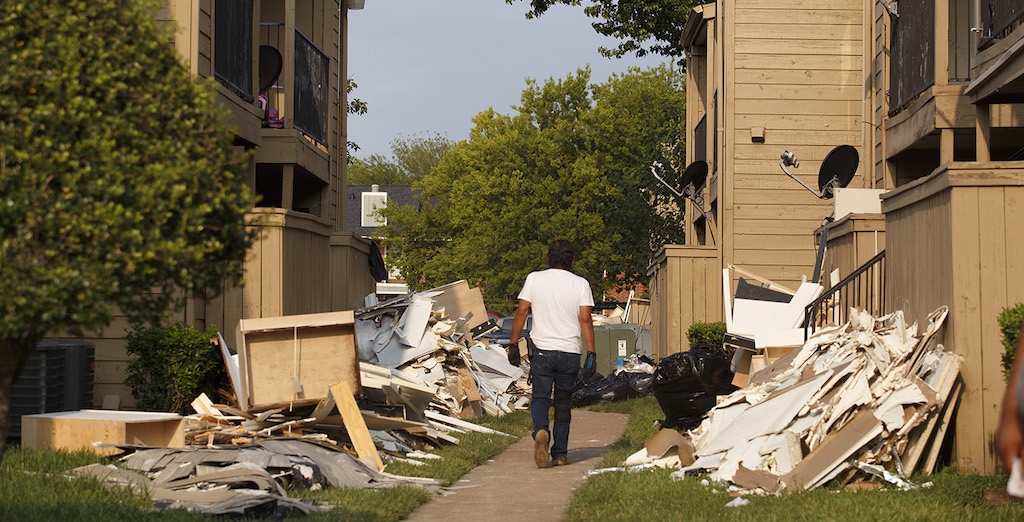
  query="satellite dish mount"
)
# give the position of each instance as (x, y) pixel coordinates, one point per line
(692, 179)
(837, 171)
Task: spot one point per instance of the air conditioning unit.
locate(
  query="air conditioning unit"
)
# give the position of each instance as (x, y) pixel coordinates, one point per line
(57, 377)
(392, 288)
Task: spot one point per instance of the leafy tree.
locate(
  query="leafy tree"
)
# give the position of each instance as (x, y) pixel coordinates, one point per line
(648, 26)
(413, 158)
(119, 186)
(571, 163)
(357, 107)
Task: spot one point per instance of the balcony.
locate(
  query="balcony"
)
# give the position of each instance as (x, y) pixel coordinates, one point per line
(930, 120)
(299, 100)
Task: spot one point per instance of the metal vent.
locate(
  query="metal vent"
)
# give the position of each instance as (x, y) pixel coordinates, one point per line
(371, 202)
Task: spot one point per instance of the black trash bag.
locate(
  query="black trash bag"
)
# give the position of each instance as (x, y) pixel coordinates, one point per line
(686, 383)
(614, 388)
(642, 382)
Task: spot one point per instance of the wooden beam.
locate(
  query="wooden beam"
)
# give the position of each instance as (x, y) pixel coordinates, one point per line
(946, 146)
(354, 423)
(983, 133)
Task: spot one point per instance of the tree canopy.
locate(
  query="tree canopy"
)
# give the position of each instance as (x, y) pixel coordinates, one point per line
(571, 163)
(119, 185)
(648, 26)
(413, 158)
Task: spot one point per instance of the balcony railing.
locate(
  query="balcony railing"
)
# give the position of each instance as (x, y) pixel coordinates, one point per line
(864, 289)
(912, 69)
(312, 69)
(232, 46)
(999, 17)
(309, 86)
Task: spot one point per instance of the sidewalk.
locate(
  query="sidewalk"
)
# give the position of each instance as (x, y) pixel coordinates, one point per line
(511, 487)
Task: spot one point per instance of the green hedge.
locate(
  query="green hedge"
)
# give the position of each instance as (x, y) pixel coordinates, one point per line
(1010, 321)
(711, 333)
(168, 367)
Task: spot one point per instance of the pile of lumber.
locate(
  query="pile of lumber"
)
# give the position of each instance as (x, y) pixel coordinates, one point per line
(870, 399)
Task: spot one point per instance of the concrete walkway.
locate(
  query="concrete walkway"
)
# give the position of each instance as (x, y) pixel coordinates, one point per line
(511, 487)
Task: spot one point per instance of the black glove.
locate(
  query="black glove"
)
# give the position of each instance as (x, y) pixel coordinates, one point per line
(589, 365)
(513, 354)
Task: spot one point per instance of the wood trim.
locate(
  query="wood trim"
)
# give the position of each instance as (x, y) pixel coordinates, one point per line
(1007, 68)
(957, 174)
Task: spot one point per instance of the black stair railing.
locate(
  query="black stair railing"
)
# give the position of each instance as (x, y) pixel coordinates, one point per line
(864, 289)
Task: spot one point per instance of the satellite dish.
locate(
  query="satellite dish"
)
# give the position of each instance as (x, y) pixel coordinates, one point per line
(694, 175)
(691, 180)
(837, 170)
(271, 63)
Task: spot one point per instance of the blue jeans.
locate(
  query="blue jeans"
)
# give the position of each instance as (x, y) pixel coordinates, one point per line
(556, 371)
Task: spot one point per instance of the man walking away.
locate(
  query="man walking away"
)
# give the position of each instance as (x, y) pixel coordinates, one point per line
(562, 325)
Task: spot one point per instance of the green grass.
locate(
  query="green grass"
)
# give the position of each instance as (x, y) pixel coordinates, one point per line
(653, 495)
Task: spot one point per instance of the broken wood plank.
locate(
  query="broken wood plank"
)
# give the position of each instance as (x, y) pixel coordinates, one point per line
(354, 424)
(834, 451)
(940, 432)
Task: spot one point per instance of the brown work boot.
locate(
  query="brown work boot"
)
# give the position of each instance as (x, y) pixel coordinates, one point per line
(561, 461)
(540, 449)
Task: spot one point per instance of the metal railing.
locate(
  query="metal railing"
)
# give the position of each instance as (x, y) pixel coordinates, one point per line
(864, 289)
(232, 46)
(312, 71)
(999, 17)
(309, 86)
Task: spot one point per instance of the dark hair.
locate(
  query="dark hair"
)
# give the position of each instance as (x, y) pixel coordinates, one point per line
(561, 254)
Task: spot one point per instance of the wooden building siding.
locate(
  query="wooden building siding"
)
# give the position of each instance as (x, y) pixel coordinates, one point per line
(795, 69)
(852, 240)
(351, 280)
(968, 260)
(683, 291)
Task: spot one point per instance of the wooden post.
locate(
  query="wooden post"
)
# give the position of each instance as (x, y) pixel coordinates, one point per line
(287, 185)
(946, 146)
(983, 132)
(286, 112)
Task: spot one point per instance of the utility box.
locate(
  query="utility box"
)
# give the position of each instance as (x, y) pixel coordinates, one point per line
(614, 343)
(57, 377)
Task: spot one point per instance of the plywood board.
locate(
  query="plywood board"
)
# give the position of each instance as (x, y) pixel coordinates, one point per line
(354, 423)
(293, 360)
(461, 301)
(77, 430)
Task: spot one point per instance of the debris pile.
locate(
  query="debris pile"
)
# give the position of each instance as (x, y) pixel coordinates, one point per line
(394, 377)
(247, 480)
(868, 399)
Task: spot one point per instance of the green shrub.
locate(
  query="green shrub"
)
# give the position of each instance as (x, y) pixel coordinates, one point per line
(711, 333)
(170, 366)
(1010, 320)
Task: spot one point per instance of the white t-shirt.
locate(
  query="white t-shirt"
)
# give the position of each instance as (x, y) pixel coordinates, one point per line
(555, 298)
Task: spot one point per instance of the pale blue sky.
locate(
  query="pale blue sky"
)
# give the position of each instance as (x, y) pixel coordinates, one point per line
(430, 66)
